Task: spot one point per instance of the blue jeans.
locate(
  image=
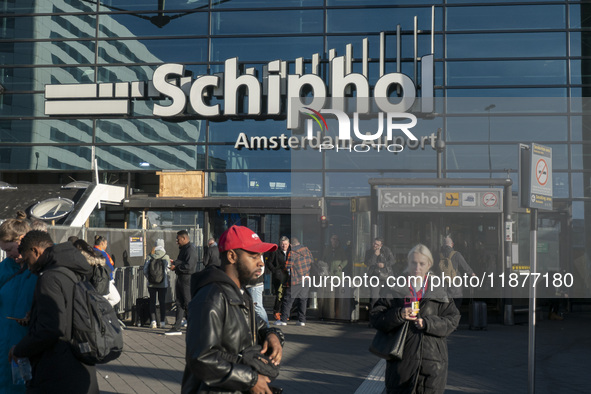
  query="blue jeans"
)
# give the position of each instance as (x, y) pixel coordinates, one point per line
(256, 293)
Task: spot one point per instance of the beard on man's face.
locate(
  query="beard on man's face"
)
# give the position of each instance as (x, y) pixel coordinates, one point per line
(245, 275)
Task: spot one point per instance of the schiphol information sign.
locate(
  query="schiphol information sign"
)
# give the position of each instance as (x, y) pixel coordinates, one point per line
(440, 200)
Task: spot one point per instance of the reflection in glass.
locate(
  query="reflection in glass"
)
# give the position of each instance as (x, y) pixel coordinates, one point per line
(376, 20)
(513, 128)
(150, 158)
(148, 130)
(21, 78)
(227, 157)
(267, 22)
(265, 49)
(510, 17)
(152, 51)
(145, 25)
(45, 157)
(505, 45)
(507, 72)
(46, 131)
(250, 184)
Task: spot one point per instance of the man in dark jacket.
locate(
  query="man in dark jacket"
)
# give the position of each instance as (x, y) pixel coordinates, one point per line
(212, 256)
(55, 369)
(275, 263)
(226, 324)
(380, 261)
(184, 266)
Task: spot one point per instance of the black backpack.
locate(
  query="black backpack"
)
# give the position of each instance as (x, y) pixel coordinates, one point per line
(156, 271)
(100, 279)
(96, 333)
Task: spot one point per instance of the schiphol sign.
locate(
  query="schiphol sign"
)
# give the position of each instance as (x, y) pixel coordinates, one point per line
(440, 200)
(276, 95)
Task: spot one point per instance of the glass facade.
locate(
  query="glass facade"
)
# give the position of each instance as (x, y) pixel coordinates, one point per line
(483, 53)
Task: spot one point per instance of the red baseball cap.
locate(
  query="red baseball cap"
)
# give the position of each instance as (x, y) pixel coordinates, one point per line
(240, 237)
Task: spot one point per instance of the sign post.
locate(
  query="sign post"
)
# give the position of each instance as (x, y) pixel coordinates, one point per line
(535, 189)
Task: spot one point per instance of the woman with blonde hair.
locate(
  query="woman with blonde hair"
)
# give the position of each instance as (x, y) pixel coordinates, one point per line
(431, 316)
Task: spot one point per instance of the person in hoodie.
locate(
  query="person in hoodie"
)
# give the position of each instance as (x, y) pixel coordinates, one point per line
(55, 369)
(158, 289)
(223, 324)
(423, 368)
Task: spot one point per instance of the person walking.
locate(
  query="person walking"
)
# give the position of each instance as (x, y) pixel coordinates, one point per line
(184, 266)
(157, 290)
(380, 261)
(55, 369)
(100, 244)
(230, 350)
(299, 262)
(212, 256)
(460, 266)
(423, 368)
(276, 263)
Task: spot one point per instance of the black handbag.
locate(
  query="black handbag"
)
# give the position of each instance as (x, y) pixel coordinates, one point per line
(390, 345)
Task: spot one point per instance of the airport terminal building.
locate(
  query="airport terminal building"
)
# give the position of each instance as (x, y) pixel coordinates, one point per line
(220, 112)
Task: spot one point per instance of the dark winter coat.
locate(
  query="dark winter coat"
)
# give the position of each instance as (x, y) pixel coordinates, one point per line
(212, 256)
(424, 363)
(55, 369)
(221, 320)
(276, 264)
(186, 263)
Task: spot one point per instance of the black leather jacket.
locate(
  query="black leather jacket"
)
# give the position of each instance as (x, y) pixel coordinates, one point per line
(221, 320)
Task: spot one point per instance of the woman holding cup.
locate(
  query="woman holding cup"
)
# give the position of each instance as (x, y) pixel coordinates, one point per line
(432, 317)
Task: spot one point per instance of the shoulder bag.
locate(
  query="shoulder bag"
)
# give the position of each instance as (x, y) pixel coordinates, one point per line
(390, 345)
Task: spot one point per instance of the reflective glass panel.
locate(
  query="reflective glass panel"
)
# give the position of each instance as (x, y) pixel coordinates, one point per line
(581, 129)
(514, 17)
(46, 131)
(227, 157)
(506, 45)
(561, 187)
(510, 72)
(50, 52)
(42, 7)
(19, 105)
(267, 22)
(265, 3)
(580, 16)
(513, 128)
(148, 130)
(580, 43)
(54, 157)
(376, 19)
(150, 158)
(265, 49)
(152, 51)
(151, 5)
(21, 78)
(54, 26)
(580, 156)
(578, 180)
(380, 2)
(253, 184)
(347, 184)
(166, 24)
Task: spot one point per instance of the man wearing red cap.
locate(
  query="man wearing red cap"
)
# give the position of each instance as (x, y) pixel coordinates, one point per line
(226, 330)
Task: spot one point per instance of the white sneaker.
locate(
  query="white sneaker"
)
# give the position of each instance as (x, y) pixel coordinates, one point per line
(184, 323)
(162, 324)
(300, 323)
(153, 324)
(280, 323)
(172, 331)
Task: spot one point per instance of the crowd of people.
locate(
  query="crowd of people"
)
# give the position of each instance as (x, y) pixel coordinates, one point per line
(225, 352)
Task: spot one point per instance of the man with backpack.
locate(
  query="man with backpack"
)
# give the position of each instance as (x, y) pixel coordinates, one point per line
(46, 345)
(452, 264)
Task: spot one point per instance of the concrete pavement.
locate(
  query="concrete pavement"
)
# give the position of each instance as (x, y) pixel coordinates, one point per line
(328, 357)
